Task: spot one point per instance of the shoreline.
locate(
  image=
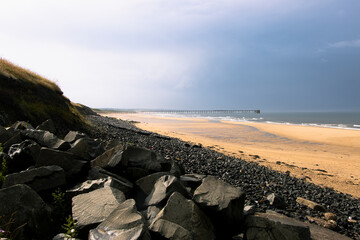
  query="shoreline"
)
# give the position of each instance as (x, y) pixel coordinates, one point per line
(324, 156)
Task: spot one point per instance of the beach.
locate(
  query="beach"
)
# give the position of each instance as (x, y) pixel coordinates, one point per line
(324, 156)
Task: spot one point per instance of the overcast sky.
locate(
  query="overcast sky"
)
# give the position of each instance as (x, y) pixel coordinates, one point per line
(273, 55)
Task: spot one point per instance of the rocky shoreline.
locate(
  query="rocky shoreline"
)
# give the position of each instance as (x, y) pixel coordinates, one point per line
(256, 181)
(120, 182)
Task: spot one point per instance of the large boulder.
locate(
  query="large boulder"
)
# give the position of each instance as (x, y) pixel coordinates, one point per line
(181, 219)
(271, 225)
(163, 188)
(46, 139)
(72, 136)
(104, 159)
(125, 222)
(23, 155)
(39, 179)
(28, 211)
(136, 162)
(48, 125)
(91, 185)
(73, 168)
(146, 184)
(15, 138)
(86, 148)
(21, 125)
(223, 203)
(90, 209)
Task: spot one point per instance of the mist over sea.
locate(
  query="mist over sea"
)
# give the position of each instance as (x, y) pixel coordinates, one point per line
(342, 120)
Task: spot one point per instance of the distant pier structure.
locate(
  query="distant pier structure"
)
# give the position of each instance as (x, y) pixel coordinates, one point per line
(198, 111)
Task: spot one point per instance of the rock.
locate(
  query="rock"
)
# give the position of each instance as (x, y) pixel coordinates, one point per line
(137, 157)
(176, 169)
(48, 125)
(150, 213)
(271, 225)
(320, 233)
(163, 188)
(72, 136)
(310, 204)
(63, 236)
(223, 203)
(147, 183)
(330, 216)
(39, 179)
(122, 183)
(192, 180)
(29, 211)
(14, 139)
(330, 224)
(46, 139)
(92, 185)
(94, 207)
(249, 210)
(21, 125)
(182, 219)
(125, 222)
(103, 160)
(276, 201)
(23, 155)
(86, 148)
(73, 168)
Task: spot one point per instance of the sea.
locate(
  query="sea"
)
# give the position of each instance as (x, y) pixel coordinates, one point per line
(341, 120)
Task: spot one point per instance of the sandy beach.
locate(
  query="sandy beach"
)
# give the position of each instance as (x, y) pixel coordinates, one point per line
(324, 156)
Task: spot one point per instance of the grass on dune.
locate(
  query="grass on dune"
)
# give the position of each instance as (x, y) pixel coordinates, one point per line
(14, 71)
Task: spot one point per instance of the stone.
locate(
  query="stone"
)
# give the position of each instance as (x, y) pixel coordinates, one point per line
(330, 216)
(103, 160)
(90, 209)
(29, 212)
(46, 139)
(23, 155)
(142, 158)
(73, 168)
(276, 201)
(14, 139)
(21, 125)
(182, 219)
(91, 185)
(86, 148)
(223, 203)
(271, 225)
(330, 224)
(313, 205)
(192, 180)
(249, 210)
(39, 179)
(125, 222)
(150, 213)
(48, 125)
(163, 188)
(147, 183)
(176, 169)
(72, 136)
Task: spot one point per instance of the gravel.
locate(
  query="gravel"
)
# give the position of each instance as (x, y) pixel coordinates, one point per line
(257, 181)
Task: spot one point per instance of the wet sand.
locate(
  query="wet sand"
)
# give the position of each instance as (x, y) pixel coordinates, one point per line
(324, 156)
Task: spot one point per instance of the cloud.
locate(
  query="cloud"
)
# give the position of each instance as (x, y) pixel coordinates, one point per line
(345, 44)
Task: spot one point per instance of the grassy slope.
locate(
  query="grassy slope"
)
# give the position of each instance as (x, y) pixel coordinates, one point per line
(26, 96)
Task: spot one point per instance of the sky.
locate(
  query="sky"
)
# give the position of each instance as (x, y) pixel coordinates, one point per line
(273, 55)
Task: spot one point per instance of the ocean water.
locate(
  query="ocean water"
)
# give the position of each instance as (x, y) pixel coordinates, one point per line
(343, 120)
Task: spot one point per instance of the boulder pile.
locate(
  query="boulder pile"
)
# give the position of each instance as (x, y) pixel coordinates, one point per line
(114, 189)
